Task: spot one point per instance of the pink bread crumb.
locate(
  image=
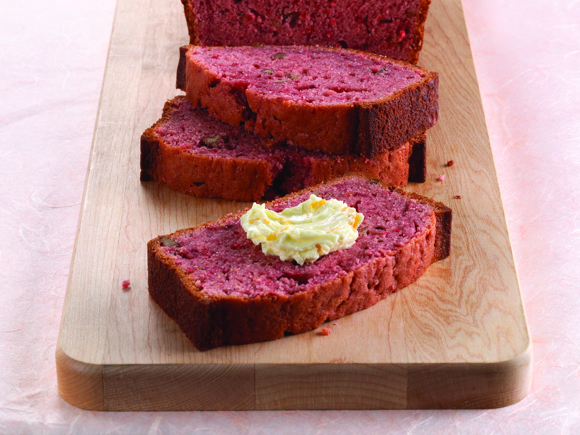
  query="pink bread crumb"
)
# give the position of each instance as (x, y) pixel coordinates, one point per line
(325, 331)
(441, 178)
(335, 323)
(126, 284)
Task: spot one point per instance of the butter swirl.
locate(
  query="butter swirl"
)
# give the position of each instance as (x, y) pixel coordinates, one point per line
(303, 233)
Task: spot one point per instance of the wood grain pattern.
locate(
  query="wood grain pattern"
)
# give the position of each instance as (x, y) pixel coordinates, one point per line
(456, 338)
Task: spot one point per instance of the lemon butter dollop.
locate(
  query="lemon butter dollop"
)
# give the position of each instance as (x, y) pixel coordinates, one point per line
(305, 232)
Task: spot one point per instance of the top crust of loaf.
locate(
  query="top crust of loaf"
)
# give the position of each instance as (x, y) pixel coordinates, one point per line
(365, 127)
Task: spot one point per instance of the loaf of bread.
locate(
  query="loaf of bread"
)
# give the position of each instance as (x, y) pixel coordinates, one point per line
(221, 289)
(329, 100)
(391, 28)
(194, 153)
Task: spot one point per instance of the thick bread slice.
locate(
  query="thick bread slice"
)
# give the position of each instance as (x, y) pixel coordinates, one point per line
(191, 152)
(221, 289)
(330, 100)
(390, 28)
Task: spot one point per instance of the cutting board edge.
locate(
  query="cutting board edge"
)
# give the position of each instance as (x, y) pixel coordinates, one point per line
(79, 383)
(186, 387)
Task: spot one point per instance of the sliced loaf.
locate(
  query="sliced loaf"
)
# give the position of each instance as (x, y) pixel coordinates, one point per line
(329, 100)
(194, 153)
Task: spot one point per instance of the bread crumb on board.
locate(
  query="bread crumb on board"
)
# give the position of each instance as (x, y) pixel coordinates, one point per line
(325, 331)
(457, 196)
(450, 162)
(126, 284)
(441, 178)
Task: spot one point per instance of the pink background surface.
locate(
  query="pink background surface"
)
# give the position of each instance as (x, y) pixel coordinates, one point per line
(52, 57)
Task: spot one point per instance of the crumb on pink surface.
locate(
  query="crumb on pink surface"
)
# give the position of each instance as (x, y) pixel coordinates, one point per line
(126, 284)
(325, 331)
(441, 178)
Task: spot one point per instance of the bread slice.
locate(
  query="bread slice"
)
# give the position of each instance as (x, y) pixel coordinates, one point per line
(329, 100)
(194, 153)
(221, 289)
(391, 28)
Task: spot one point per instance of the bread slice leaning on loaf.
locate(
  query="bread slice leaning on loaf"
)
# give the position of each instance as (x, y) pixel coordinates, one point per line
(194, 153)
(330, 100)
(222, 290)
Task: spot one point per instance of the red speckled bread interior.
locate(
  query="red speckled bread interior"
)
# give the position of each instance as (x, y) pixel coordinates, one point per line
(393, 28)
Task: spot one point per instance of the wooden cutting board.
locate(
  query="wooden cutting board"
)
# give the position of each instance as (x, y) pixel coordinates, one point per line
(455, 339)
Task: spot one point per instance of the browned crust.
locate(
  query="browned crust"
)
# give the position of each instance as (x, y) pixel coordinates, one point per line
(191, 20)
(410, 112)
(418, 160)
(420, 31)
(444, 217)
(180, 77)
(212, 321)
(391, 167)
(241, 179)
(209, 177)
(366, 128)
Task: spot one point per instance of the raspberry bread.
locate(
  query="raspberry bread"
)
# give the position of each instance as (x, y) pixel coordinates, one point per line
(388, 27)
(194, 153)
(329, 100)
(221, 289)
